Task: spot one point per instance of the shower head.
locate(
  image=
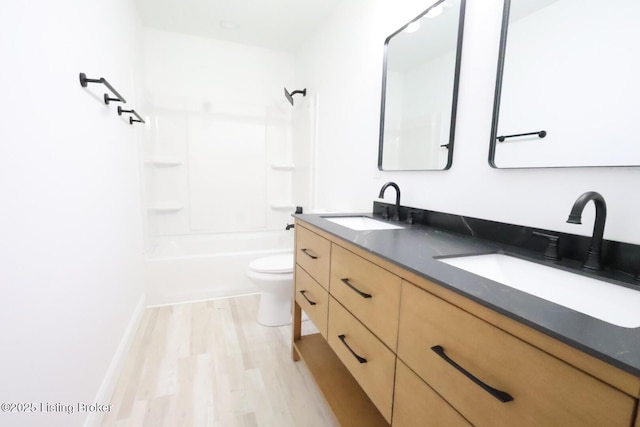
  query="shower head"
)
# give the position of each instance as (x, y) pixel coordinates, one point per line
(289, 95)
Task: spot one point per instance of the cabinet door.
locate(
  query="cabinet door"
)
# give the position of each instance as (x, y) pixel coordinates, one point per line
(470, 362)
(370, 362)
(313, 254)
(313, 299)
(370, 292)
(415, 403)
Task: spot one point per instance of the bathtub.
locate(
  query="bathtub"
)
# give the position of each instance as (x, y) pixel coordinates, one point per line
(193, 268)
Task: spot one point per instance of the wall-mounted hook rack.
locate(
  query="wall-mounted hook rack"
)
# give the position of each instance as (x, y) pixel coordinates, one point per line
(84, 81)
(131, 119)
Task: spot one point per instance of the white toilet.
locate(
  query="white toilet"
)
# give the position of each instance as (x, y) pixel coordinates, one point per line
(273, 275)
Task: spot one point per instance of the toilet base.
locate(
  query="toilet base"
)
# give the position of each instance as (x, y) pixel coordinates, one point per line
(274, 310)
(270, 313)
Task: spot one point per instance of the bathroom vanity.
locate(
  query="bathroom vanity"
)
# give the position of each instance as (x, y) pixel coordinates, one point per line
(408, 340)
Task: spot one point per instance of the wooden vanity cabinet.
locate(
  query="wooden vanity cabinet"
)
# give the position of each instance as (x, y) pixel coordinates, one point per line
(370, 292)
(415, 403)
(431, 357)
(350, 403)
(312, 298)
(370, 362)
(531, 388)
(313, 254)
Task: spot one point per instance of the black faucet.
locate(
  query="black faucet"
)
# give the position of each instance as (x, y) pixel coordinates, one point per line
(396, 216)
(593, 261)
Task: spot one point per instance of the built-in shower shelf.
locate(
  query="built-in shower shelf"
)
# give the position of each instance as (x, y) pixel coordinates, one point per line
(285, 206)
(163, 162)
(165, 208)
(283, 166)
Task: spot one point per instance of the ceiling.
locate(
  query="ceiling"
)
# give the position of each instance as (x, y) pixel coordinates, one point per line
(274, 24)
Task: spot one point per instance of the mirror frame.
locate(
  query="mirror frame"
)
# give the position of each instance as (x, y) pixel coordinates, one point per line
(502, 50)
(456, 83)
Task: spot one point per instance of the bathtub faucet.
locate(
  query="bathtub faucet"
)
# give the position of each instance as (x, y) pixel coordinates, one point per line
(289, 226)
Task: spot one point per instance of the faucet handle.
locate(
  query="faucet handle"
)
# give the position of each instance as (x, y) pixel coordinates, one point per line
(410, 220)
(385, 212)
(551, 252)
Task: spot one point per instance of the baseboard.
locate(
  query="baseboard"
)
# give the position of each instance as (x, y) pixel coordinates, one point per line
(94, 419)
(182, 297)
(248, 292)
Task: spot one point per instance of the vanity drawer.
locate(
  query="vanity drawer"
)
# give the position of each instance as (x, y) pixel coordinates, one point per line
(546, 391)
(370, 292)
(415, 400)
(313, 299)
(313, 253)
(375, 370)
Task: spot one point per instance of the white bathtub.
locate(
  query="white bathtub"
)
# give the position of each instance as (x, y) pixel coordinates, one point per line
(193, 268)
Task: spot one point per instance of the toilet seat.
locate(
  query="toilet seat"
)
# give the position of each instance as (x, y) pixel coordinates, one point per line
(276, 264)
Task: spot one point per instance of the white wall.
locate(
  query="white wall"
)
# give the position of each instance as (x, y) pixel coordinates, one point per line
(70, 227)
(342, 64)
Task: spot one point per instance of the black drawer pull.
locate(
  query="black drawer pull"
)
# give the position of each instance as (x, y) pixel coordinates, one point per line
(305, 297)
(498, 394)
(360, 358)
(358, 291)
(308, 254)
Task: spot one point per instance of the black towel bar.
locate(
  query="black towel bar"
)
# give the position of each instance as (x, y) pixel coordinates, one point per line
(84, 81)
(541, 134)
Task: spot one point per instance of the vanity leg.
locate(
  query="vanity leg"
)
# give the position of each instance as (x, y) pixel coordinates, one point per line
(296, 326)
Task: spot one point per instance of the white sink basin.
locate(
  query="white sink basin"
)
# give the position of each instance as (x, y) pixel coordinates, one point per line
(605, 301)
(362, 223)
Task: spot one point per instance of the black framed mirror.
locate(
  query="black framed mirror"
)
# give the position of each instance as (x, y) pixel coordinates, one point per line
(567, 87)
(420, 90)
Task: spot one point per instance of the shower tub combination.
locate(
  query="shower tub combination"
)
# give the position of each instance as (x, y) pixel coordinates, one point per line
(193, 268)
(219, 187)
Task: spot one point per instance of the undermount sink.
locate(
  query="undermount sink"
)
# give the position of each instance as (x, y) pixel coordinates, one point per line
(362, 223)
(603, 300)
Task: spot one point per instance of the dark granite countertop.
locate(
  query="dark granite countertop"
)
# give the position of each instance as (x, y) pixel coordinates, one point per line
(414, 248)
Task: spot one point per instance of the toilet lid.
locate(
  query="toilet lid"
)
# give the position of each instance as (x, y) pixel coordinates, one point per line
(273, 264)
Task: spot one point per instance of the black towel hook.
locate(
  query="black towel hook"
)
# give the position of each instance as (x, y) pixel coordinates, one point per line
(131, 119)
(84, 81)
(108, 99)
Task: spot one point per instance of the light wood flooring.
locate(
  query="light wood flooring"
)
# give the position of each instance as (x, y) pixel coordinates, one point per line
(211, 364)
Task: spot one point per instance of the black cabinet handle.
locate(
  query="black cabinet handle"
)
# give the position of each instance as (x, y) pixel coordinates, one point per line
(305, 297)
(308, 254)
(498, 394)
(360, 358)
(358, 291)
